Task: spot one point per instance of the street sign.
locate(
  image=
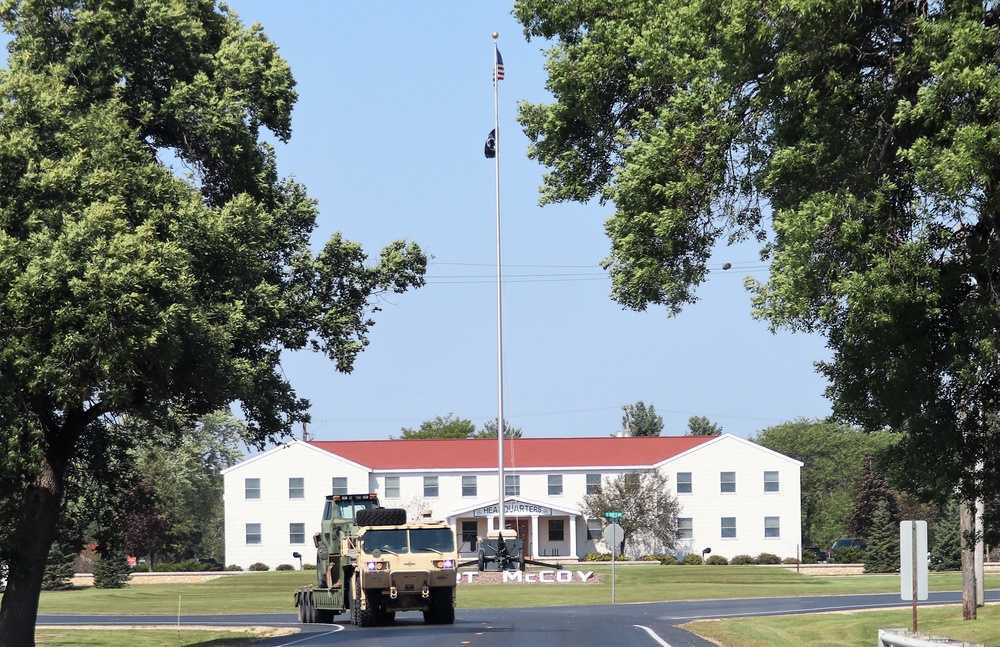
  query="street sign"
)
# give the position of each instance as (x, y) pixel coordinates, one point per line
(613, 515)
(613, 535)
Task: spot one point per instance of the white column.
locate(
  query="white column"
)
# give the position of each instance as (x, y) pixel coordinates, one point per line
(572, 536)
(534, 536)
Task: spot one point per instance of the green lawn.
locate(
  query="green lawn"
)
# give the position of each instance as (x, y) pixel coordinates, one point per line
(849, 629)
(272, 592)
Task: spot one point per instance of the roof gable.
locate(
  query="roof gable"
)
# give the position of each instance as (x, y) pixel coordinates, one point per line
(519, 453)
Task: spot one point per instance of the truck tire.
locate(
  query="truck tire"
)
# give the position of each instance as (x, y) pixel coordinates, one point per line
(482, 561)
(301, 604)
(381, 517)
(310, 608)
(442, 610)
(359, 616)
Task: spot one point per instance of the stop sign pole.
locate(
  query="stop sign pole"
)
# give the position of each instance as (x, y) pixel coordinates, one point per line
(613, 535)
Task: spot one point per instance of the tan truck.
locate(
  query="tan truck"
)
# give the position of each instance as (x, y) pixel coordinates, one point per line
(374, 563)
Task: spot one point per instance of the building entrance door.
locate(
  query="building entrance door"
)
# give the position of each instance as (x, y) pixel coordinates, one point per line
(524, 532)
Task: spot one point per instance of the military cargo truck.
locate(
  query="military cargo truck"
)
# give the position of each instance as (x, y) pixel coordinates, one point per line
(374, 563)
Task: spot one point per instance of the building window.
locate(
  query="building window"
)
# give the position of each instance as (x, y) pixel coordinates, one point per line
(470, 530)
(772, 527)
(685, 528)
(593, 483)
(728, 481)
(252, 488)
(392, 487)
(684, 483)
(770, 481)
(556, 532)
(555, 485)
(296, 488)
(296, 533)
(512, 485)
(253, 534)
(469, 486)
(339, 485)
(430, 486)
(729, 527)
(595, 527)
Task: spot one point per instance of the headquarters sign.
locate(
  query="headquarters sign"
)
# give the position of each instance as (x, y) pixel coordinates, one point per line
(513, 507)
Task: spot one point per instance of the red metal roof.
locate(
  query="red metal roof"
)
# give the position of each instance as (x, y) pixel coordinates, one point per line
(524, 453)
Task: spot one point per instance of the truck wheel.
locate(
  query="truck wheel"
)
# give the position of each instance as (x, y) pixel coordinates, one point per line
(301, 604)
(359, 616)
(381, 517)
(311, 610)
(482, 560)
(442, 610)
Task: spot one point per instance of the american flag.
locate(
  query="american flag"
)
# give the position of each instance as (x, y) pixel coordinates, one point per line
(498, 71)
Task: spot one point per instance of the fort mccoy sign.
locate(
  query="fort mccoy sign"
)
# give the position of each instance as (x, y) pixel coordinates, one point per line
(513, 507)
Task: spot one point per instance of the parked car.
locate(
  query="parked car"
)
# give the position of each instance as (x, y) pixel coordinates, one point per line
(840, 544)
(821, 556)
(213, 564)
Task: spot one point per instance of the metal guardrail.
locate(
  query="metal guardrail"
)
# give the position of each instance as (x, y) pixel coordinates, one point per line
(906, 638)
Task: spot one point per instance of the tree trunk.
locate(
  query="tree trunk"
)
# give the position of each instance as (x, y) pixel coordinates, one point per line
(33, 534)
(967, 510)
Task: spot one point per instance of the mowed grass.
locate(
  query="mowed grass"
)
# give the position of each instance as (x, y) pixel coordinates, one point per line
(55, 637)
(272, 592)
(850, 629)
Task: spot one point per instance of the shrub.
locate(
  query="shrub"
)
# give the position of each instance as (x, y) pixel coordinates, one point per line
(717, 560)
(284, 567)
(692, 559)
(597, 557)
(768, 558)
(234, 567)
(849, 555)
(308, 567)
(742, 560)
(112, 571)
(789, 560)
(669, 560)
(258, 566)
(809, 557)
(649, 558)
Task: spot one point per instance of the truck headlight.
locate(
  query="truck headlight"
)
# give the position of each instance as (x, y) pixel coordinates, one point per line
(376, 566)
(445, 563)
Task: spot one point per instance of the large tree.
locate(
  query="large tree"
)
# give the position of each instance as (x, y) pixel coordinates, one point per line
(441, 427)
(489, 430)
(129, 290)
(649, 510)
(702, 426)
(863, 130)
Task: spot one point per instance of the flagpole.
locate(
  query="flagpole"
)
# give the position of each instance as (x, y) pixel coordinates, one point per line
(500, 418)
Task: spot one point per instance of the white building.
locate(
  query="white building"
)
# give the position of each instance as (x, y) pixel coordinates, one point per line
(736, 497)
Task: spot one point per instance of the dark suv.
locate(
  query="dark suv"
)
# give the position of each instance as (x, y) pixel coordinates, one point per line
(847, 543)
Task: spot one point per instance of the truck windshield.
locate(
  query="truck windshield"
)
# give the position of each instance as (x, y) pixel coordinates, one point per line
(437, 540)
(349, 509)
(386, 540)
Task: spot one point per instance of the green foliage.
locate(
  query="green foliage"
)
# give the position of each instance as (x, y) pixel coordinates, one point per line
(649, 510)
(716, 560)
(651, 558)
(59, 568)
(489, 430)
(946, 546)
(441, 427)
(669, 560)
(874, 494)
(833, 457)
(768, 558)
(308, 567)
(702, 426)
(284, 567)
(641, 420)
(692, 559)
(234, 567)
(849, 555)
(603, 557)
(742, 560)
(882, 554)
(184, 566)
(258, 566)
(111, 570)
(809, 557)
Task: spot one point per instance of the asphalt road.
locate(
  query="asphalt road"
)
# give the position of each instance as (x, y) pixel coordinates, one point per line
(622, 625)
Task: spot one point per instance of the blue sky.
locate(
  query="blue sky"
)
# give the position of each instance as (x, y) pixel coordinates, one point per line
(395, 103)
